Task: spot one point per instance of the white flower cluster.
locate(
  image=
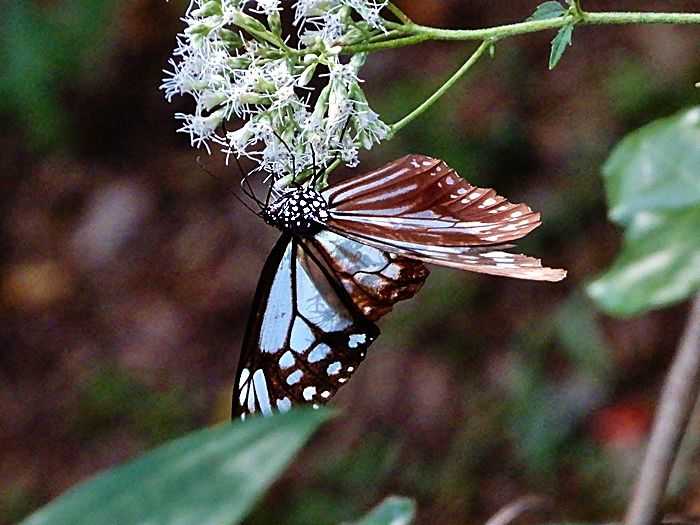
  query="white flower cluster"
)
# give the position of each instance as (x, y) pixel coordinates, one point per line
(235, 62)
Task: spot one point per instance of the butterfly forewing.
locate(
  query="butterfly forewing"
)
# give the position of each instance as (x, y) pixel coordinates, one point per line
(420, 208)
(305, 337)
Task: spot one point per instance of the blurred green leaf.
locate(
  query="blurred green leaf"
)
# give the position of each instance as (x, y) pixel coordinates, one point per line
(111, 395)
(582, 339)
(655, 168)
(212, 476)
(43, 49)
(658, 268)
(652, 183)
(547, 10)
(15, 503)
(394, 510)
(559, 45)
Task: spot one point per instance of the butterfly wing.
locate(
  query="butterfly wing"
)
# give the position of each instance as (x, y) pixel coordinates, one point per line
(311, 326)
(420, 208)
(374, 279)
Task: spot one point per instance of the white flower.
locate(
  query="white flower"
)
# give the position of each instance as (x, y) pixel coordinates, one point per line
(201, 128)
(232, 60)
(268, 7)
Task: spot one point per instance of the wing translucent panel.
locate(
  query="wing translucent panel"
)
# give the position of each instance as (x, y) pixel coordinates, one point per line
(420, 208)
(490, 260)
(374, 279)
(305, 336)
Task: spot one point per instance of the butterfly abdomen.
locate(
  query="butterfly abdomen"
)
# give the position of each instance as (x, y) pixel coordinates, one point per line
(302, 211)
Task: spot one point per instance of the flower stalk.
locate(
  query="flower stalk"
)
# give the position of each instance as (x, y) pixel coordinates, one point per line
(410, 34)
(422, 108)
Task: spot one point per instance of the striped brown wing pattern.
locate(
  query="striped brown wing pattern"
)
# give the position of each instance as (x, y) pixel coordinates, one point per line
(374, 279)
(420, 208)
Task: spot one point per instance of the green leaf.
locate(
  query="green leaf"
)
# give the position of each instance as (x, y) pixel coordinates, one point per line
(547, 10)
(209, 477)
(582, 339)
(659, 264)
(656, 168)
(652, 182)
(559, 44)
(394, 510)
(60, 42)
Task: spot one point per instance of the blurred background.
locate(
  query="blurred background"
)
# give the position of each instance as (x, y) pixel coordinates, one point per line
(126, 272)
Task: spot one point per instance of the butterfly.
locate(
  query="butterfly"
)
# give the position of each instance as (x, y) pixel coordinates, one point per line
(347, 254)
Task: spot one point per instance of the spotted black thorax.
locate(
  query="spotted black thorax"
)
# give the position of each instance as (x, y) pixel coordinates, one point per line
(302, 211)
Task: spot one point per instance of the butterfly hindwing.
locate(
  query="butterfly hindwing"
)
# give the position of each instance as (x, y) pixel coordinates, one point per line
(374, 279)
(305, 337)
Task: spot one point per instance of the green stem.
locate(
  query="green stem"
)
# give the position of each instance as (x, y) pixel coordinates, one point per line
(414, 33)
(323, 181)
(398, 13)
(442, 89)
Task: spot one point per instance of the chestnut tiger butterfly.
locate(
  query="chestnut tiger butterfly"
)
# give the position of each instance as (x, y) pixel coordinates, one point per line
(347, 254)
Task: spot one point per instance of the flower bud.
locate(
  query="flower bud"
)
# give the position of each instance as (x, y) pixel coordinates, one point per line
(275, 23)
(232, 38)
(307, 75)
(212, 7)
(242, 20)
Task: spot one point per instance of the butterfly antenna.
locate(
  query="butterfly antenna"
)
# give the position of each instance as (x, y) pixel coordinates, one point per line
(198, 160)
(314, 173)
(248, 191)
(245, 184)
(269, 193)
(345, 128)
(342, 136)
(291, 155)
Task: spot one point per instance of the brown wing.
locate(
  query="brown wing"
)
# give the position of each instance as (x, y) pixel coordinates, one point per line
(374, 279)
(420, 208)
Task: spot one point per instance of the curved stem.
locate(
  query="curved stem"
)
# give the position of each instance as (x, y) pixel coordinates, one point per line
(323, 181)
(442, 89)
(398, 13)
(678, 398)
(415, 33)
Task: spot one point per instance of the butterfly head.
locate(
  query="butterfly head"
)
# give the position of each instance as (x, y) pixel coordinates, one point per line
(302, 211)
